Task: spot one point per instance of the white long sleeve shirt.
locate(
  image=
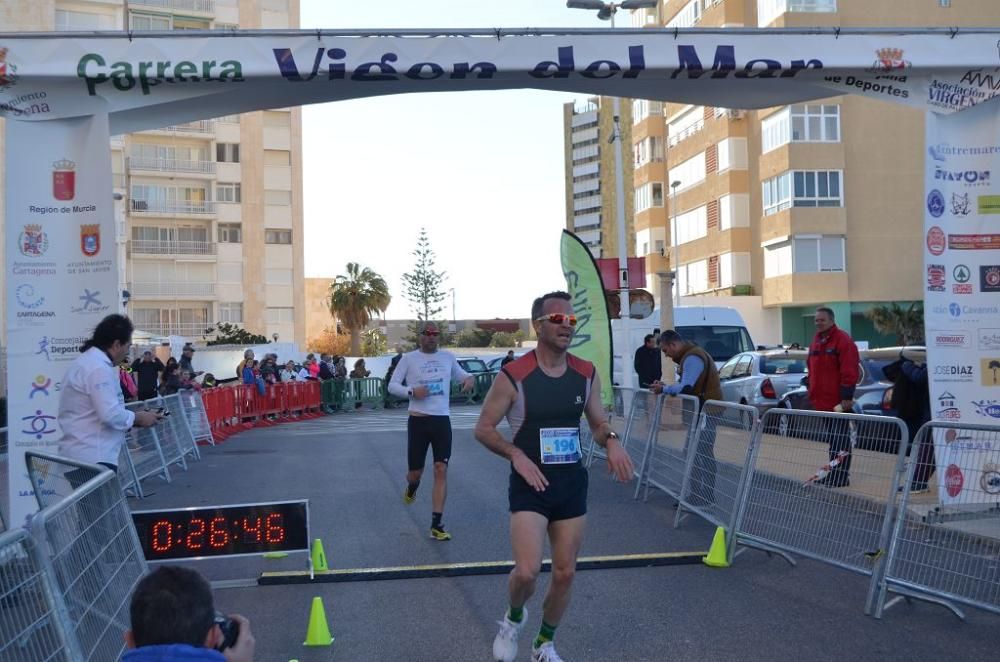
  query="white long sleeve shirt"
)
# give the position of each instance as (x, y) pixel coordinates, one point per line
(435, 371)
(92, 411)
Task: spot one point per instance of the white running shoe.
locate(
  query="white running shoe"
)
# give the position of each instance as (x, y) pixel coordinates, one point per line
(505, 643)
(545, 653)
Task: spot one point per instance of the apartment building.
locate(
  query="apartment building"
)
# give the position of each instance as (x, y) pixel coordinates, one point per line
(591, 203)
(800, 205)
(211, 220)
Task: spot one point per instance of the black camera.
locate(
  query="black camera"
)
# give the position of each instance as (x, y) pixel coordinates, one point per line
(230, 630)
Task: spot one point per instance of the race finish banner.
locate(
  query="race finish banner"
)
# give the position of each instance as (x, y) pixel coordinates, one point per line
(962, 310)
(592, 339)
(64, 93)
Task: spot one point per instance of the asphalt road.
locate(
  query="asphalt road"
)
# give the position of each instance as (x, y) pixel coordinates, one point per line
(761, 608)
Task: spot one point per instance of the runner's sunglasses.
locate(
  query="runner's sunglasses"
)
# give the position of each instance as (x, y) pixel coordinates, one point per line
(558, 318)
(430, 333)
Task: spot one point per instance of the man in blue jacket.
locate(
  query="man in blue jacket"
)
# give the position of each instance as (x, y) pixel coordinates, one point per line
(174, 620)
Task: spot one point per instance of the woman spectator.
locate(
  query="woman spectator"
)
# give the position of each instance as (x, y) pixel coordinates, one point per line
(247, 359)
(170, 382)
(129, 389)
(358, 372)
(313, 366)
(187, 382)
(303, 373)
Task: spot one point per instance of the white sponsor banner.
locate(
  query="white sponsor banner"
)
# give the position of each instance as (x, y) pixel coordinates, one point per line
(60, 274)
(962, 248)
(146, 80)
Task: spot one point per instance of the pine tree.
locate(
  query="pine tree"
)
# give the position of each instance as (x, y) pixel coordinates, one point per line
(422, 286)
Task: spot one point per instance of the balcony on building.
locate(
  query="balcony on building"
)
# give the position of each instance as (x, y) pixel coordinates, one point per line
(172, 290)
(174, 208)
(197, 7)
(172, 248)
(197, 169)
(186, 329)
(805, 289)
(197, 129)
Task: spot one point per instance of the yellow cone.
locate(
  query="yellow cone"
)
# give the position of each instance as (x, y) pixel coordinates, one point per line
(318, 633)
(717, 552)
(318, 556)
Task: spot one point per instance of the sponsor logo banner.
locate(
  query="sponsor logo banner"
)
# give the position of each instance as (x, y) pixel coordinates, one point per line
(989, 278)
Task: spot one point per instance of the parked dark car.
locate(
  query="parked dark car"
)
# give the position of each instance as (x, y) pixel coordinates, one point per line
(473, 364)
(872, 383)
(494, 364)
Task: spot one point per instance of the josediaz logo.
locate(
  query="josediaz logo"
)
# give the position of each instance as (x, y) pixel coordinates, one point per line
(64, 180)
(936, 240)
(8, 72)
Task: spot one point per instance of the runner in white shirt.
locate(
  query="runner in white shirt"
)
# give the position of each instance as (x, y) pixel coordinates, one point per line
(428, 374)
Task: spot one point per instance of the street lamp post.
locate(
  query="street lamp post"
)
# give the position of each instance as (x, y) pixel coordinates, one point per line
(606, 11)
(673, 241)
(453, 327)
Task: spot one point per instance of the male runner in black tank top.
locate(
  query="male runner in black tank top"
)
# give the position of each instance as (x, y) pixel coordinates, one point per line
(543, 395)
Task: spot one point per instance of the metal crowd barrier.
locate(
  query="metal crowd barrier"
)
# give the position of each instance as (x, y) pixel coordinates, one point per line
(176, 425)
(945, 546)
(617, 417)
(718, 466)
(33, 617)
(794, 505)
(196, 417)
(676, 418)
(90, 549)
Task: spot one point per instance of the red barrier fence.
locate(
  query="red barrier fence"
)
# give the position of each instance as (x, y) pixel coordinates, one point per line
(231, 409)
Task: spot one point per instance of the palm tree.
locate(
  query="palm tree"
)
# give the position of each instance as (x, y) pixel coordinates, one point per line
(907, 324)
(355, 298)
(994, 366)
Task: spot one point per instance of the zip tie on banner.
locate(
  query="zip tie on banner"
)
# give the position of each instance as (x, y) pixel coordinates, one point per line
(676, 32)
(836, 32)
(498, 33)
(319, 35)
(953, 31)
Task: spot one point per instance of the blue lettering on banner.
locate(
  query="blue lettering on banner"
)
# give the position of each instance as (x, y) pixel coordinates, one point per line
(967, 177)
(987, 408)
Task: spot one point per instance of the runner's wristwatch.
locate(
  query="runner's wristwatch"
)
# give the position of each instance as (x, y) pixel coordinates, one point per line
(611, 435)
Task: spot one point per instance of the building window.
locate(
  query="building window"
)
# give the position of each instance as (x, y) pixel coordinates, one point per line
(693, 277)
(181, 23)
(734, 269)
(230, 233)
(148, 21)
(692, 225)
(805, 254)
(277, 236)
(802, 188)
(801, 123)
(227, 152)
(277, 276)
(648, 150)
(275, 197)
(768, 10)
(277, 157)
(227, 192)
(279, 315)
(732, 154)
(67, 21)
(648, 196)
(689, 173)
(688, 16)
(231, 312)
(644, 108)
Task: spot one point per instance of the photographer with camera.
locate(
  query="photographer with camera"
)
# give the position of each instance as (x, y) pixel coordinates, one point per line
(174, 620)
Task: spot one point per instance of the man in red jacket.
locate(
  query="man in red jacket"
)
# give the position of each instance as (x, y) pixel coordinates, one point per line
(833, 374)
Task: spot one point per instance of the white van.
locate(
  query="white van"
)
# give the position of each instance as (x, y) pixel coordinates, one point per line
(719, 330)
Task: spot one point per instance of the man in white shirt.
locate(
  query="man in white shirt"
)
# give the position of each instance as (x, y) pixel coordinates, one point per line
(92, 413)
(428, 374)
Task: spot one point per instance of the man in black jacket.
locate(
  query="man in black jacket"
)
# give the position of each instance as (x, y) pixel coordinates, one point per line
(147, 374)
(647, 362)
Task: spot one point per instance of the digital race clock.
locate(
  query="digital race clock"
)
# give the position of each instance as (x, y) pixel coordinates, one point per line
(252, 528)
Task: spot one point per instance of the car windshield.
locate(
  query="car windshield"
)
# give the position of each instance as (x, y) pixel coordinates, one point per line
(770, 365)
(473, 365)
(721, 342)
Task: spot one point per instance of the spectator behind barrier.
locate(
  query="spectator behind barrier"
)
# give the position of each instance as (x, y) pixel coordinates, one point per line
(173, 618)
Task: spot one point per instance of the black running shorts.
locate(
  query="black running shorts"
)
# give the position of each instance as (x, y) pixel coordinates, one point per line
(424, 431)
(564, 498)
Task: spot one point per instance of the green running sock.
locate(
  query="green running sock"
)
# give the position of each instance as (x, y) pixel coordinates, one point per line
(545, 635)
(515, 614)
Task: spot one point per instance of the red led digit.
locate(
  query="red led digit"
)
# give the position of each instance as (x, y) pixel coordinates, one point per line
(274, 530)
(196, 536)
(217, 534)
(252, 530)
(163, 535)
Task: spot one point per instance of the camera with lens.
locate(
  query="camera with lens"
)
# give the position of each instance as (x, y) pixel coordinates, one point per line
(230, 630)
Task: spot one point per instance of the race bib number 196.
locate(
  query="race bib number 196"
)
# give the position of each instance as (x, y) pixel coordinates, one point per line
(560, 445)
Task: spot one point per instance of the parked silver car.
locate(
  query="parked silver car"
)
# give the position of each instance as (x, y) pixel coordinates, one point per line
(760, 378)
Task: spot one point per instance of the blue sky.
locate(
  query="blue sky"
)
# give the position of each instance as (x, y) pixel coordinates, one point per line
(483, 172)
